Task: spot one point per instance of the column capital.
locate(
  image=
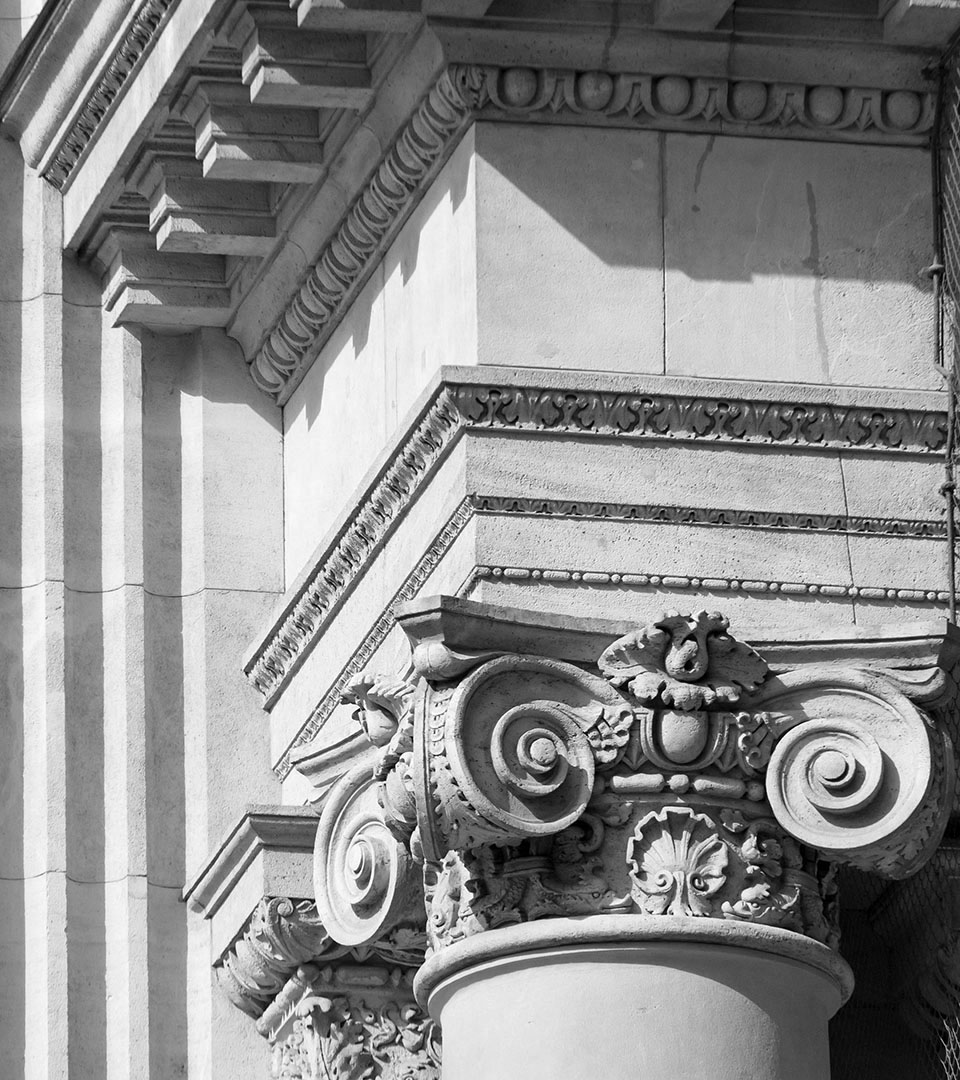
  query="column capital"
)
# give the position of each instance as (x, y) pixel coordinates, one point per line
(680, 772)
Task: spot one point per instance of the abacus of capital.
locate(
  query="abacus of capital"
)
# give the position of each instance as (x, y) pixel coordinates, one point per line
(620, 867)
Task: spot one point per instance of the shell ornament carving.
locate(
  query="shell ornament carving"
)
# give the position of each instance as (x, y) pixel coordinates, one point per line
(678, 863)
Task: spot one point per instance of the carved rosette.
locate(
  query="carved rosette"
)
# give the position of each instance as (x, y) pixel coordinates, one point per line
(677, 777)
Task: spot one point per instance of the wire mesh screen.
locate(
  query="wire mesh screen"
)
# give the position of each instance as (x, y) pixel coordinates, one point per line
(903, 941)
(945, 272)
(903, 938)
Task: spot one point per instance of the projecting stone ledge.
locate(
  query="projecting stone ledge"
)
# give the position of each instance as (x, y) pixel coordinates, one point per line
(659, 816)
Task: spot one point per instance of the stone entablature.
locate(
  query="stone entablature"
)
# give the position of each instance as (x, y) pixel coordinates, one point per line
(455, 475)
(199, 175)
(675, 781)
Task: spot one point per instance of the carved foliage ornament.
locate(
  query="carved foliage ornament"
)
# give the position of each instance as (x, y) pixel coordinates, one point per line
(373, 1030)
(689, 662)
(681, 779)
(281, 935)
(577, 412)
(346, 1039)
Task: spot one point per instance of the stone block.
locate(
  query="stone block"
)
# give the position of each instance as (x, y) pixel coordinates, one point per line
(566, 219)
(430, 285)
(334, 426)
(798, 261)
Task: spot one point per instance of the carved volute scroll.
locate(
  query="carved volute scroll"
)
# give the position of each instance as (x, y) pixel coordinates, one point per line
(365, 879)
(510, 752)
(858, 772)
(678, 777)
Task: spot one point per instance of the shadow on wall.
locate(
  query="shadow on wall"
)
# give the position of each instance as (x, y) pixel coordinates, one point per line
(716, 209)
(696, 245)
(368, 323)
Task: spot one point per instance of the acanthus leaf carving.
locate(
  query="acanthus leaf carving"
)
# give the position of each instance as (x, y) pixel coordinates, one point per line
(689, 662)
(382, 701)
(282, 934)
(609, 732)
(355, 1023)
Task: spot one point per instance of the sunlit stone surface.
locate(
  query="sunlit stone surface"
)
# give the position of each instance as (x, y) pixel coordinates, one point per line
(473, 562)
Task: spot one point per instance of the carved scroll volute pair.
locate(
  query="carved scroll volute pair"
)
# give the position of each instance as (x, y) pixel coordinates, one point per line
(500, 756)
(493, 750)
(858, 772)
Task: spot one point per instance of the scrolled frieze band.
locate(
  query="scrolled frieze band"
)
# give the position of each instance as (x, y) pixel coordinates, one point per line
(458, 408)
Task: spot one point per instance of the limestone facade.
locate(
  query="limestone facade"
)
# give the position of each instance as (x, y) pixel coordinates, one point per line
(475, 549)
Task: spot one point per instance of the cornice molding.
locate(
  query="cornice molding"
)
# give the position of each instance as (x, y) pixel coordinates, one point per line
(652, 415)
(261, 829)
(458, 407)
(467, 91)
(683, 582)
(704, 516)
(423, 144)
(377, 634)
(445, 538)
(129, 52)
(710, 104)
(352, 548)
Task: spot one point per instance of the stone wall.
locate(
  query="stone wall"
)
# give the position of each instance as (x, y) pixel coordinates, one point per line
(637, 252)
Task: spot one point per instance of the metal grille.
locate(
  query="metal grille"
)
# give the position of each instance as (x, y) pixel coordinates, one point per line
(903, 938)
(903, 941)
(945, 273)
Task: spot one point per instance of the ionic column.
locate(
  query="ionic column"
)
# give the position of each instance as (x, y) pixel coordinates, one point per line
(628, 870)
